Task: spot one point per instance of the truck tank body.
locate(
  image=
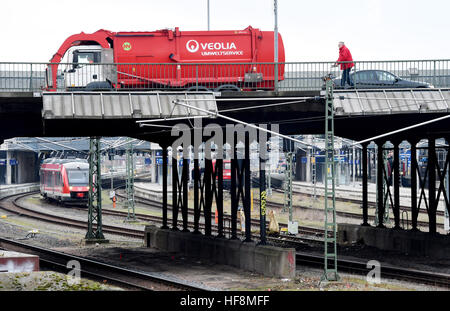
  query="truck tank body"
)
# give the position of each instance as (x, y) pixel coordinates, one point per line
(183, 59)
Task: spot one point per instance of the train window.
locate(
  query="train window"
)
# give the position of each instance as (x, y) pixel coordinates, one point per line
(78, 177)
(50, 179)
(58, 179)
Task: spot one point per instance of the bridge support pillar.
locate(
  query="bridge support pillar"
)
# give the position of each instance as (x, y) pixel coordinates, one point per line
(396, 181)
(175, 187)
(432, 161)
(197, 187)
(180, 190)
(262, 185)
(414, 168)
(445, 179)
(184, 184)
(365, 203)
(208, 188)
(219, 196)
(164, 185)
(369, 162)
(241, 188)
(248, 185)
(234, 195)
(380, 192)
(209, 194)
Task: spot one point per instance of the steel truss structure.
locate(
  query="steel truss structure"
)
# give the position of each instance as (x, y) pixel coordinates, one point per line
(431, 177)
(208, 188)
(330, 253)
(180, 191)
(94, 230)
(240, 188)
(130, 182)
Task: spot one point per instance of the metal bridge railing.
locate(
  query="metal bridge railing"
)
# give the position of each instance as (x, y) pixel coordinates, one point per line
(293, 76)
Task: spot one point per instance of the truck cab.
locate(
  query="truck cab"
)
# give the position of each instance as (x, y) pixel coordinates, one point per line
(85, 67)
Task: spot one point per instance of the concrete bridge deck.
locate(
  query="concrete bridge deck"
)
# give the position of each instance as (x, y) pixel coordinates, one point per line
(21, 114)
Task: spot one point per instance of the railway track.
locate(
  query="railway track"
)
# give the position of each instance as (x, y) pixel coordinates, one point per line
(11, 205)
(227, 218)
(100, 271)
(387, 271)
(341, 213)
(114, 273)
(124, 277)
(357, 201)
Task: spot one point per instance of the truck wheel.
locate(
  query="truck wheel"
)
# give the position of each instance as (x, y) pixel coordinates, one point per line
(99, 86)
(227, 88)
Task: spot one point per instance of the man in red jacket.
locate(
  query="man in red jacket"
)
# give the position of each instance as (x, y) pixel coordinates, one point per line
(345, 60)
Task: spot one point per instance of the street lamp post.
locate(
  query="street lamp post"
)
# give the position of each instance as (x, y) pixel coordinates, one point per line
(275, 9)
(207, 8)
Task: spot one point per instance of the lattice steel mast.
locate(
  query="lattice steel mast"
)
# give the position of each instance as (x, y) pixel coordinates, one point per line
(330, 272)
(94, 231)
(130, 182)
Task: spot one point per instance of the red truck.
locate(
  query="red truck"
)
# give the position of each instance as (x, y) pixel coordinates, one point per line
(168, 59)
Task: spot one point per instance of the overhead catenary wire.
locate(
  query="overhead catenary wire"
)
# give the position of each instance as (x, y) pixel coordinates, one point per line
(390, 98)
(58, 144)
(170, 119)
(179, 102)
(402, 130)
(252, 98)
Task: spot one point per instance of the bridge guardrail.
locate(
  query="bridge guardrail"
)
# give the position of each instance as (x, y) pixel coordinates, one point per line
(293, 76)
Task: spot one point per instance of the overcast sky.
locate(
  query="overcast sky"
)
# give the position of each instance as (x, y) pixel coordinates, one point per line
(372, 29)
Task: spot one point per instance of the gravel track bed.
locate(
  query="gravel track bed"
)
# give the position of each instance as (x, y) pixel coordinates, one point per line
(36, 203)
(129, 252)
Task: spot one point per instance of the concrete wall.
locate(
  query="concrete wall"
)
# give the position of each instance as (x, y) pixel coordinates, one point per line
(28, 167)
(416, 243)
(267, 260)
(15, 189)
(26, 171)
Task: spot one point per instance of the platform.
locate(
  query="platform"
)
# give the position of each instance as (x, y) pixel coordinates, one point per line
(354, 192)
(150, 190)
(6, 190)
(404, 241)
(18, 262)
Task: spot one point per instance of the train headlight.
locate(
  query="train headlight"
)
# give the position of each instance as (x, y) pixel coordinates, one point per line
(70, 188)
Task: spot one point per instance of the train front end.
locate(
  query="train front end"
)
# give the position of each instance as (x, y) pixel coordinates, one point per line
(77, 182)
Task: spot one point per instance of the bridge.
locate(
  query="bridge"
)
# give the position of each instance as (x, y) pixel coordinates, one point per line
(297, 105)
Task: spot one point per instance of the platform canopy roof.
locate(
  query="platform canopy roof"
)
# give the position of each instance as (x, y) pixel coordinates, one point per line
(76, 144)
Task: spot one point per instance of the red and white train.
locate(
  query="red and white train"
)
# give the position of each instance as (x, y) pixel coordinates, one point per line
(226, 173)
(65, 180)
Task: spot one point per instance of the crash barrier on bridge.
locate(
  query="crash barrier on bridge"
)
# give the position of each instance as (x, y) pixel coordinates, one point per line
(294, 76)
(264, 259)
(404, 241)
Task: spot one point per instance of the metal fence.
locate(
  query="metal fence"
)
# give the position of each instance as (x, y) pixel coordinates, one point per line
(293, 76)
